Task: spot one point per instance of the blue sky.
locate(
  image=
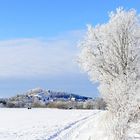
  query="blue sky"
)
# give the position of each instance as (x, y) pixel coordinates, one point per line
(38, 43)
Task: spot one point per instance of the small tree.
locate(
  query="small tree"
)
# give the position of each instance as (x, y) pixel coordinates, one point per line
(111, 56)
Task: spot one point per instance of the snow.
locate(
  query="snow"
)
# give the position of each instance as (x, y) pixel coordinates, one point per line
(110, 55)
(52, 124)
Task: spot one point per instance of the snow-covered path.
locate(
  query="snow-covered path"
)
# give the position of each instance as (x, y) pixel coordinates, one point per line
(55, 124)
(40, 124)
(72, 131)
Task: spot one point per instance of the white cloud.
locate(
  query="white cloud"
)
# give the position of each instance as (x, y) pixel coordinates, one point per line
(39, 57)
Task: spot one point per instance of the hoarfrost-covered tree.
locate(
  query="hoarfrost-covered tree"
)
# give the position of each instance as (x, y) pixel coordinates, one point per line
(110, 55)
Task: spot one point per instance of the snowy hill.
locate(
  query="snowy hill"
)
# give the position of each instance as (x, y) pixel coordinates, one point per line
(48, 95)
(39, 97)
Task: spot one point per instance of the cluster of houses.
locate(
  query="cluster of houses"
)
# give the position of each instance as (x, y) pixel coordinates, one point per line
(46, 96)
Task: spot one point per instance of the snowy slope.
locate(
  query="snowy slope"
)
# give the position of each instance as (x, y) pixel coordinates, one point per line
(41, 97)
(47, 95)
(53, 124)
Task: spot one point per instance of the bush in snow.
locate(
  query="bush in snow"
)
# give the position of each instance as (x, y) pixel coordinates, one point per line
(111, 56)
(97, 103)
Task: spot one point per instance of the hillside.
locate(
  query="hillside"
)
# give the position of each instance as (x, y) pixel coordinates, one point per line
(48, 95)
(39, 97)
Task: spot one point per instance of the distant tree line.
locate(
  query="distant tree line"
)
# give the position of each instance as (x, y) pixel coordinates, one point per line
(23, 102)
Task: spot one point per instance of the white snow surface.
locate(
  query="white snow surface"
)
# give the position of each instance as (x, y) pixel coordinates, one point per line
(52, 124)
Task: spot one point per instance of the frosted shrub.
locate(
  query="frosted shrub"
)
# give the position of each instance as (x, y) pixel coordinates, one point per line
(111, 56)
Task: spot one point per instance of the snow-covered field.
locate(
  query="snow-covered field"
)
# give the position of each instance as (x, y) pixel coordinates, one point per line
(51, 124)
